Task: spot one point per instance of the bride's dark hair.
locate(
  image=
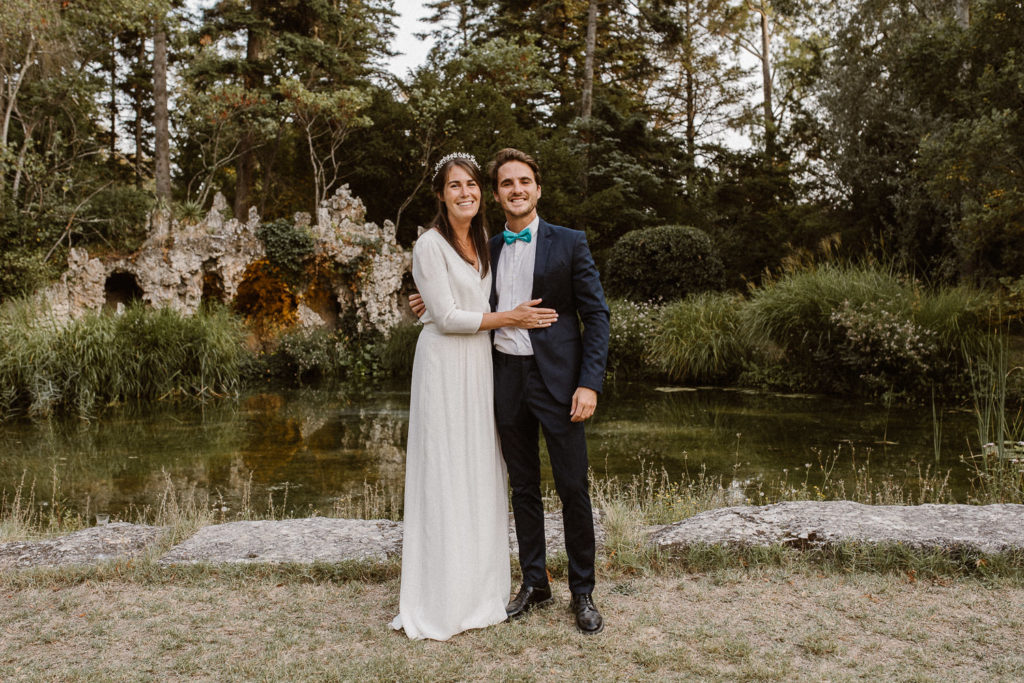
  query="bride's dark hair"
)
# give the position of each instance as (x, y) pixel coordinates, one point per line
(478, 224)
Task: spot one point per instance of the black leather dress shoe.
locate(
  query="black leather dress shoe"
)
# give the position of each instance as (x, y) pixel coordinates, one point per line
(588, 619)
(527, 597)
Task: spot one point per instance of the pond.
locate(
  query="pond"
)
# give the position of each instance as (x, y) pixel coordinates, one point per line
(305, 451)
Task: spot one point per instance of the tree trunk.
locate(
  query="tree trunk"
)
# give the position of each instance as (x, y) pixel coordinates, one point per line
(137, 95)
(162, 151)
(587, 100)
(766, 76)
(691, 104)
(113, 102)
(246, 167)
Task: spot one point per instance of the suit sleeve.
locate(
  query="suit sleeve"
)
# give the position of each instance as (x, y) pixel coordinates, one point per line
(430, 271)
(594, 314)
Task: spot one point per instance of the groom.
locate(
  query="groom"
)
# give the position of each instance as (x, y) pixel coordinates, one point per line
(546, 379)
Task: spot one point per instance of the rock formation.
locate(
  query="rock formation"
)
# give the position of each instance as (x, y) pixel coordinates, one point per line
(181, 265)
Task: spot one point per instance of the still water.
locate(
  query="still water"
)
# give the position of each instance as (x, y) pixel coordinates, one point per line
(306, 450)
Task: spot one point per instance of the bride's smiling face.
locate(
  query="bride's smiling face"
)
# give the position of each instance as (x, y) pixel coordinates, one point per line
(461, 195)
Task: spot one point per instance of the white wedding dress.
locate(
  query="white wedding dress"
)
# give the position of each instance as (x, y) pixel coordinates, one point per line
(455, 553)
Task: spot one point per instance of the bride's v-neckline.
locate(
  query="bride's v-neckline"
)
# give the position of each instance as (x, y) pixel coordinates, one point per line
(474, 266)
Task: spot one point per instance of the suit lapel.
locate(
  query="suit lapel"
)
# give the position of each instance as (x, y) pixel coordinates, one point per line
(540, 263)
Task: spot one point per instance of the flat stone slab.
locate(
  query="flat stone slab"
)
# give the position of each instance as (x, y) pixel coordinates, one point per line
(554, 533)
(982, 528)
(314, 539)
(320, 539)
(114, 541)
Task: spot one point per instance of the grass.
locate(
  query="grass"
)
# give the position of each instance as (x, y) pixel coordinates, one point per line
(735, 624)
(834, 328)
(709, 613)
(998, 466)
(399, 348)
(144, 355)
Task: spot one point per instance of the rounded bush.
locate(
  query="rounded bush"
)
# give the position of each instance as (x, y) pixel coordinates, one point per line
(667, 262)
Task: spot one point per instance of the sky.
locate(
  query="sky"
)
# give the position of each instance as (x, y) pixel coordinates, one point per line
(406, 24)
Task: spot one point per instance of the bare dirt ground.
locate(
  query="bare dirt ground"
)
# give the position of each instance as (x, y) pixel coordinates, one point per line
(728, 625)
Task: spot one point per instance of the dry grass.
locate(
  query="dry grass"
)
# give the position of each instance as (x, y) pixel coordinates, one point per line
(729, 625)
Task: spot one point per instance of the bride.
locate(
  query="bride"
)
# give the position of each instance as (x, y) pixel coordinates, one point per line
(455, 554)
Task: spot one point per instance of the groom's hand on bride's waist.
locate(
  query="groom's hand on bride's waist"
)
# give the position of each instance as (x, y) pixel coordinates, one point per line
(584, 402)
(417, 305)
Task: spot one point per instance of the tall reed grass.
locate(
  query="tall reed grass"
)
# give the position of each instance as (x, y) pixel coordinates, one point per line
(998, 464)
(399, 348)
(702, 338)
(144, 354)
(795, 310)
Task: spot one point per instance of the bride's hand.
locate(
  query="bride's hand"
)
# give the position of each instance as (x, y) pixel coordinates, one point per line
(529, 317)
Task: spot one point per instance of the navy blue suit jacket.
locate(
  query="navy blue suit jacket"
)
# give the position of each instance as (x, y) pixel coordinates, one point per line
(566, 278)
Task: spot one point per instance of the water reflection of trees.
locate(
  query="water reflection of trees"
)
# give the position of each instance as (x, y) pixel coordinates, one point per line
(758, 434)
(312, 443)
(321, 447)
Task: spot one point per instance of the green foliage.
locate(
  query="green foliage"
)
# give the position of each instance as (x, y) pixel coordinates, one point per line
(288, 247)
(22, 267)
(633, 325)
(399, 349)
(702, 338)
(142, 355)
(665, 262)
(321, 356)
(925, 130)
(122, 216)
(867, 330)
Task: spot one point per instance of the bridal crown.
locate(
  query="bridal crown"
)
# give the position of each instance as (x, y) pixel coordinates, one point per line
(454, 155)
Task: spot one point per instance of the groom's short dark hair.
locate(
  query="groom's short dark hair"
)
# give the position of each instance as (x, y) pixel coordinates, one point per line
(511, 154)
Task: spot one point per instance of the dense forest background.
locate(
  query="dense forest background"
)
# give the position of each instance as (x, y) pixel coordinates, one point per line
(781, 129)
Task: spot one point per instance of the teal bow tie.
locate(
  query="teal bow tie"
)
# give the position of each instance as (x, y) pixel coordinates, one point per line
(524, 235)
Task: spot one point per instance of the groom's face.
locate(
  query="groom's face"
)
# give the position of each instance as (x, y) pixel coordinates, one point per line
(517, 190)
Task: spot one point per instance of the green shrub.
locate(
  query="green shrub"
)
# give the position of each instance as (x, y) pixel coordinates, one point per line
(667, 262)
(865, 329)
(795, 310)
(120, 215)
(288, 247)
(321, 356)
(632, 327)
(702, 338)
(144, 354)
(399, 349)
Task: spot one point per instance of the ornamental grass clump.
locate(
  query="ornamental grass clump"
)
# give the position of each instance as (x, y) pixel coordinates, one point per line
(702, 338)
(399, 348)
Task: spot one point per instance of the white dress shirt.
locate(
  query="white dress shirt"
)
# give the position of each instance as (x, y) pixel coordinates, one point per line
(515, 286)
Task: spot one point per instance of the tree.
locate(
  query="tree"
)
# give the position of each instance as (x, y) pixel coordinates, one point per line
(245, 54)
(700, 91)
(921, 117)
(162, 158)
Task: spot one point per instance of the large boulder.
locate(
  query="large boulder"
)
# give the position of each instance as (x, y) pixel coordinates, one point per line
(980, 528)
